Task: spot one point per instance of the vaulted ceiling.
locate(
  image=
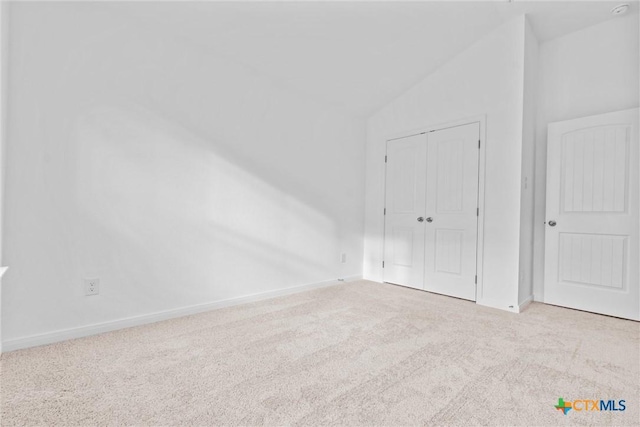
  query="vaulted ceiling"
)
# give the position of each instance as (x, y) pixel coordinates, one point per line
(357, 55)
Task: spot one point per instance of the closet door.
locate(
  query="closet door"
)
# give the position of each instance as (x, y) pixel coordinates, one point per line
(452, 211)
(404, 212)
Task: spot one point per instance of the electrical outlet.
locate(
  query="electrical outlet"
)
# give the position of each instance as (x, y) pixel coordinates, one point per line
(343, 258)
(91, 286)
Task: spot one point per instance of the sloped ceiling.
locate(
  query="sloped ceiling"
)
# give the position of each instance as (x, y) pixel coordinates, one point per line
(356, 55)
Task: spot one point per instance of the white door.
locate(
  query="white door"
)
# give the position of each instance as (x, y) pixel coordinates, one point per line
(592, 221)
(404, 211)
(451, 211)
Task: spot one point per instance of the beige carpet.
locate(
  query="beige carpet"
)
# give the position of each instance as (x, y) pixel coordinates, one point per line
(359, 353)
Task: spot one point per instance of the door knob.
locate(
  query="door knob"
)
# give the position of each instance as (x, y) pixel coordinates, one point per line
(552, 223)
(429, 219)
(420, 219)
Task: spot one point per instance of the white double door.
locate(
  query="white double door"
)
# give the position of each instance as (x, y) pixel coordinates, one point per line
(431, 216)
(592, 223)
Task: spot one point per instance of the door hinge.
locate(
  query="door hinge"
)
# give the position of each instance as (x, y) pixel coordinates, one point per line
(382, 264)
(478, 144)
(477, 211)
(476, 279)
(385, 158)
(385, 211)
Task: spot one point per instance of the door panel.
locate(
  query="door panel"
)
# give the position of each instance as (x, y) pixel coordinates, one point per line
(594, 169)
(403, 246)
(405, 203)
(449, 250)
(449, 178)
(592, 214)
(451, 208)
(593, 259)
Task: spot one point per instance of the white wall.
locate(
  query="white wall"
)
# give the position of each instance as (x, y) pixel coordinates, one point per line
(176, 177)
(487, 78)
(3, 128)
(591, 71)
(525, 291)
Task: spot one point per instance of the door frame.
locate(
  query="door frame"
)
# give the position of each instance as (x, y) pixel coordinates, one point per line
(481, 119)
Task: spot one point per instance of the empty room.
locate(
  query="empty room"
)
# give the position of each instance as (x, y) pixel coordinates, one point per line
(310, 213)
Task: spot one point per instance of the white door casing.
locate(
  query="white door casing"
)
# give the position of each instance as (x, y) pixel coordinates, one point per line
(592, 256)
(404, 205)
(452, 211)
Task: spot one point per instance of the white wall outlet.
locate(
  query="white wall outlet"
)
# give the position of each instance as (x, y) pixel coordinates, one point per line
(343, 258)
(91, 286)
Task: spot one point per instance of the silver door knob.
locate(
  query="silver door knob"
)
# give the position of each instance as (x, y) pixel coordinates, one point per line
(420, 219)
(429, 219)
(552, 223)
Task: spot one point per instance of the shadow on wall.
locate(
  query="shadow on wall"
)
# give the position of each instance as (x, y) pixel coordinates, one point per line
(176, 177)
(160, 195)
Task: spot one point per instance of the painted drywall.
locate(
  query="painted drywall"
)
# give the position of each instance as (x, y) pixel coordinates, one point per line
(486, 79)
(592, 71)
(175, 176)
(4, 33)
(525, 287)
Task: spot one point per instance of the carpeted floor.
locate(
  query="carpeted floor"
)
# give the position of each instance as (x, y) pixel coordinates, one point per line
(359, 353)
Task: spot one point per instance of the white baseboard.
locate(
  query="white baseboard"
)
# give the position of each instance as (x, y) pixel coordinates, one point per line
(499, 305)
(525, 303)
(2, 271)
(98, 328)
(515, 308)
